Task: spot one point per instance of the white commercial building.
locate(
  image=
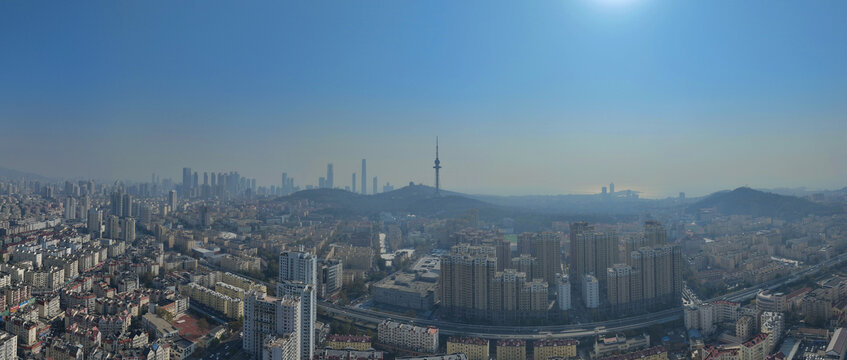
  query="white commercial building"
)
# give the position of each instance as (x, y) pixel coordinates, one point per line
(591, 291)
(564, 294)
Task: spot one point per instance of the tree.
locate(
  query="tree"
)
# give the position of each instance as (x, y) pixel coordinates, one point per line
(147, 279)
(165, 314)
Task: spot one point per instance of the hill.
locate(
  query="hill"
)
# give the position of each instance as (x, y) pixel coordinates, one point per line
(420, 200)
(415, 199)
(746, 201)
(12, 174)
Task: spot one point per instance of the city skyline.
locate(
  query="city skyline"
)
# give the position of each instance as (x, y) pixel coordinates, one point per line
(570, 95)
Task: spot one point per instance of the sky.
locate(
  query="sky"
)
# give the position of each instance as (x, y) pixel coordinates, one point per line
(526, 97)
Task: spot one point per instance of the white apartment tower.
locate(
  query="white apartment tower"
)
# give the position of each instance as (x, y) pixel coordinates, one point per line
(267, 317)
(297, 277)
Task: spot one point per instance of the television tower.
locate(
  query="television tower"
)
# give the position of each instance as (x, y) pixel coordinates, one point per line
(436, 167)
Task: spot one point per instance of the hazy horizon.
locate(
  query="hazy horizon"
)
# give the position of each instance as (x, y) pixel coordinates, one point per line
(526, 98)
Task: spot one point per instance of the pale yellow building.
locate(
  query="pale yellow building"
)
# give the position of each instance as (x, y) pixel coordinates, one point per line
(474, 348)
(544, 349)
(356, 342)
(511, 349)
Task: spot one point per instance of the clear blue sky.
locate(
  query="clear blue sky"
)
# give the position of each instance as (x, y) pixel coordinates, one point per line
(528, 97)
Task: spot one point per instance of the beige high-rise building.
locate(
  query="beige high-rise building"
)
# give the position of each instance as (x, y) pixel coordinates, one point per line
(576, 254)
(592, 252)
(546, 248)
(618, 284)
(465, 281)
(656, 275)
(654, 233)
(527, 264)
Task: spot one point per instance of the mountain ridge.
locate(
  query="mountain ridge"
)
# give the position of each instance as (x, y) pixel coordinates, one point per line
(747, 201)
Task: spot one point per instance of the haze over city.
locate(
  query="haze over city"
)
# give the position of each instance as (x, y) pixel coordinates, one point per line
(530, 98)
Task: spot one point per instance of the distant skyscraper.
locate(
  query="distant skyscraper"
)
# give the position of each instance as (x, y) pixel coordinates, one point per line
(186, 181)
(364, 178)
(354, 182)
(70, 208)
(126, 203)
(437, 167)
(114, 228)
(129, 230)
(172, 199)
(374, 189)
(116, 203)
(611, 188)
(329, 176)
(205, 178)
(84, 205)
(95, 220)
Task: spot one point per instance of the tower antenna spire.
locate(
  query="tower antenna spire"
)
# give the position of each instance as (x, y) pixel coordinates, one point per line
(437, 167)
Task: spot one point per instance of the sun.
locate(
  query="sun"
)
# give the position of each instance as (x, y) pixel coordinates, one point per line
(615, 2)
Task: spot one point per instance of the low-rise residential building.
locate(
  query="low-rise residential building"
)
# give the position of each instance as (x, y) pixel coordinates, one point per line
(405, 336)
(474, 348)
(511, 349)
(547, 348)
(356, 342)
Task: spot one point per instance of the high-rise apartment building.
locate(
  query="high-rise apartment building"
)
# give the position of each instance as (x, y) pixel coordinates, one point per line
(70, 208)
(590, 291)
(129, 230)
(592, 252)
(297, 266)
(563, 297)
(655, 233)
(126, 204)
(95, 221)
(547, 250)
(116, 203)
(471, 288)
(618, 281)
(114, 227)
(465, 277)
(172, 199)
(266, 316)
(656, 275)
(297, 277)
